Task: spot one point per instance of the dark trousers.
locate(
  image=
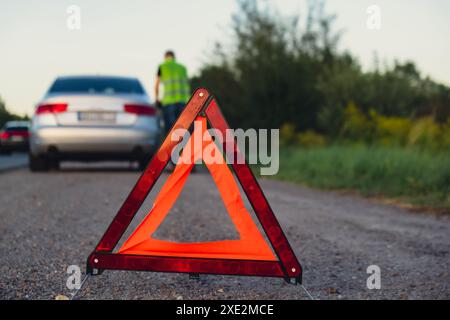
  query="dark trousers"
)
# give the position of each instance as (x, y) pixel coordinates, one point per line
(171, 112)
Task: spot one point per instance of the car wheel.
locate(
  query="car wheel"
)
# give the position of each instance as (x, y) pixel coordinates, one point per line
(143, 162)
(37, 163)
(53, 164)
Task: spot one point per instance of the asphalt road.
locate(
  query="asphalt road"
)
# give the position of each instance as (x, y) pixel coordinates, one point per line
(52, 220)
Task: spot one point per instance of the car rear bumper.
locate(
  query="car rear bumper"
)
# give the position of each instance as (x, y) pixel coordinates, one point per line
(14, 145)
(93, 140)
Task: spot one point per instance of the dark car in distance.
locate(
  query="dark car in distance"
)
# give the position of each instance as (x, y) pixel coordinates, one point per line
(14, 136)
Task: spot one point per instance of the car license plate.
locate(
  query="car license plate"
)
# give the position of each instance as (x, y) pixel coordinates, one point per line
(17, 139)
(97, 116)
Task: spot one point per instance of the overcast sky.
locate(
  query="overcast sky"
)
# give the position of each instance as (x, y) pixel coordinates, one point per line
(129, 37)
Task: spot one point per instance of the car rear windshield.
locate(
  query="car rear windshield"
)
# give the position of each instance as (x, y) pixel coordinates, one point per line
(97, 85)
(16, 129)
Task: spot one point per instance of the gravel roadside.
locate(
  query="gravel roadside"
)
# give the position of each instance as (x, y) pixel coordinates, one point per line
(52, 220)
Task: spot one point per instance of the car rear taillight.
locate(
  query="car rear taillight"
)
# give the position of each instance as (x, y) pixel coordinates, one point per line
(51, 108)
(140, 109)
(8, 134)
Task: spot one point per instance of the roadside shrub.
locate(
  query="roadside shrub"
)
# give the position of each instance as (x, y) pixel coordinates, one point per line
(360, 129)
(444, 135)
(356, 125)
(424, 133)
(310, 139)
(390, 131)
(287, 134)
(375, 129)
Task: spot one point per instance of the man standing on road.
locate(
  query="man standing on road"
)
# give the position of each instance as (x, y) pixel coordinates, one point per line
(176, 89)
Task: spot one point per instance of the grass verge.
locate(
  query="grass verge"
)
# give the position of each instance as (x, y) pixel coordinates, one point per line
(410, 176)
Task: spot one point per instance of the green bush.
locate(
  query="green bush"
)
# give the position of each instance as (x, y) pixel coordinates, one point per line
(290, 137)
(390, 131)
(287, 134)
(444, 135)
(310, 139)
(425, 133)
(356, 125)
(376, 129)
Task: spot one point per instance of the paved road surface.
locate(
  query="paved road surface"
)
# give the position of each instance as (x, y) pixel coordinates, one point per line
(13, 161)
(51, 220)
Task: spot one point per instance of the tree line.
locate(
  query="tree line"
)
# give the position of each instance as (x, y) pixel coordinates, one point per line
(280, 70)
(6, 116)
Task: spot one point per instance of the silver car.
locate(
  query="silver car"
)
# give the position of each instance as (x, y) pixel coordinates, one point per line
(93, 118)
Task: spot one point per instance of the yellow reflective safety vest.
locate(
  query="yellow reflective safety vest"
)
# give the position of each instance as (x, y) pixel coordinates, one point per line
(176, 83)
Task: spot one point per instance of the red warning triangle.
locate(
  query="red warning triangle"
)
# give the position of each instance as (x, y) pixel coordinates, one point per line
(250, 246)
(249, 255)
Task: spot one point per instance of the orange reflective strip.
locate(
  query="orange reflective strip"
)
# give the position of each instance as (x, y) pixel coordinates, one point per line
(251, 244)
